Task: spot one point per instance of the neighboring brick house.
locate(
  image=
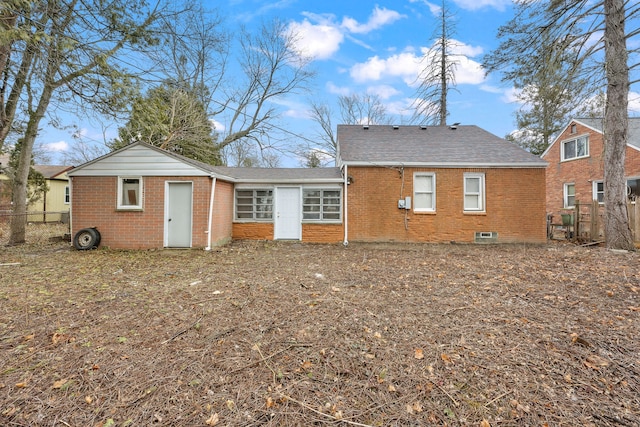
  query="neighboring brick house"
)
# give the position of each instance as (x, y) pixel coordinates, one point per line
(405, 184)
(576, 165)
(440, 184)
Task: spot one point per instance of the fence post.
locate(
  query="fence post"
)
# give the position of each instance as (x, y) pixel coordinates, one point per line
(593, 224)
(576, 222)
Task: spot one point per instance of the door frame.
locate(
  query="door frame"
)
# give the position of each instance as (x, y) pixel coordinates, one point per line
(276, 228)
(167, 202)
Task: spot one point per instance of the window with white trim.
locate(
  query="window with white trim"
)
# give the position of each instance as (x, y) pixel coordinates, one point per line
(67, 195)
(575, 148)
(424, 192)
(129, 192)
(598, 191)
(321, 204)
(474, 192)
(254, 204)
(569, 195)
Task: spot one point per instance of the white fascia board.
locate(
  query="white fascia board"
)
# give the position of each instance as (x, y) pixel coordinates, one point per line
(449, 165)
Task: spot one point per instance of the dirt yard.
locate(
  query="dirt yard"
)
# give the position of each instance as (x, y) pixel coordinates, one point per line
(289, 334)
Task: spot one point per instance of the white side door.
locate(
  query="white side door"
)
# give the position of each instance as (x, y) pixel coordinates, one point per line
(178, 214)
(288, 213)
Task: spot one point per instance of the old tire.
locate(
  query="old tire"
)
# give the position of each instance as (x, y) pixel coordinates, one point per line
(87, 238)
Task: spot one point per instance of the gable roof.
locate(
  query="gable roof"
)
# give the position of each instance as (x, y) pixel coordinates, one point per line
(434, 146)
(52, 171)
(144, 159)
(598, 125)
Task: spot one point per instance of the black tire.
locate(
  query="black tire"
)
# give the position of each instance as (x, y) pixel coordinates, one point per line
(87, 238)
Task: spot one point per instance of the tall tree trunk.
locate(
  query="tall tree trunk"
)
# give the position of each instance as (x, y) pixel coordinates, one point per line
(20, 183)
(616, 125)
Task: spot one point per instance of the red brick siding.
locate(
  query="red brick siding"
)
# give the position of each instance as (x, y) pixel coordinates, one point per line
(253, 230)
(322, 233)
(515, 206)
(582, 172)
(94, 205)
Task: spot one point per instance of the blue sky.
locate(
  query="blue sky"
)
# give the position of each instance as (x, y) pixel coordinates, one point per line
(375, 47)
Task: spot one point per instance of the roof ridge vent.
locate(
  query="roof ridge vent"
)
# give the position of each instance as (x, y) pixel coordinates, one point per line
(454, 126)
(396, 127)
(423, 127)
(365, 127)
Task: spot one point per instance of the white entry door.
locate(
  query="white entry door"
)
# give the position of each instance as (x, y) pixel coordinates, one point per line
(288, 222)
(178, 214)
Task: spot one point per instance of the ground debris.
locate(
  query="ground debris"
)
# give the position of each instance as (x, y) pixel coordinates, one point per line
(302, 334)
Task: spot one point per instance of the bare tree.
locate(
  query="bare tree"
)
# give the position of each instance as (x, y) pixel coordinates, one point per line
(583, 29)
(437, 76)
(355, 109)
(65, 50)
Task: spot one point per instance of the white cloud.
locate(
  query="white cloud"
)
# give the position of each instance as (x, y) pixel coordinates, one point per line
(383, 91)
(379, 18)
(433, 8)
(319, 36)
(317, 41)
(407, 66)
(337, 90)
(57, 146)
(634, 102)
(500, 5)
(217, 126)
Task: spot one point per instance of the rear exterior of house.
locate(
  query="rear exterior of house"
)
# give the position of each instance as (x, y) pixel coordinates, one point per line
(142, 197)
(440, 184)
(576, 165)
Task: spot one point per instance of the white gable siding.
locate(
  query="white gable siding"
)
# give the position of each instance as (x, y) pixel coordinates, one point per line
(139, 161)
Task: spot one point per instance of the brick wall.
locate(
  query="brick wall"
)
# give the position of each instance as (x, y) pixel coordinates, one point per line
(94, 205)
(515, 206)
(581, 172)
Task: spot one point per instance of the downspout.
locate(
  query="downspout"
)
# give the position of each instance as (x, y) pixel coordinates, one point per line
(213, 192)
(346, 210)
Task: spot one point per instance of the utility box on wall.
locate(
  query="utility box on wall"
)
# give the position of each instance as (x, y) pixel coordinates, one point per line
(404, 203)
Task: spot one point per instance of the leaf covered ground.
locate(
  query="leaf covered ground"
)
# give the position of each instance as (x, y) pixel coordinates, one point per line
(279, 334)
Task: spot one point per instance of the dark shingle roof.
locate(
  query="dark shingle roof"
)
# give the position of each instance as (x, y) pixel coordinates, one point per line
(278, 174)
(466, 145)
(634, 128)
(52, 171)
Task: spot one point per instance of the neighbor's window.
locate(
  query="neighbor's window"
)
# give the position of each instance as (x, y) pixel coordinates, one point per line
(254, 204)
(598, 191)
(474, 192)
(321, 205)
(569, 195)
(424, 192)
(130, 192)
(67, 195)
(633, 189)
(575, 148)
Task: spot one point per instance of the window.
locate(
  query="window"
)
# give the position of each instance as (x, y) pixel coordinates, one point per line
(321, 205)
(573, 128)
(633, 189)
(254, 204)
(569, 195)
(598, 191)
(67, 196)
(424, 192)
(575, 148)
(129, 193)
(474, 192)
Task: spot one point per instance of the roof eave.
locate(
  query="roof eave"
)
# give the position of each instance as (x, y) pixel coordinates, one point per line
(542, 164)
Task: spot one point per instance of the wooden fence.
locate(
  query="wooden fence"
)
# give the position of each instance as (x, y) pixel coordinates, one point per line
(585, 222)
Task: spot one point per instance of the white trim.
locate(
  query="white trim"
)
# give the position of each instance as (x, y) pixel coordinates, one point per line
(480, 194)
(447, 165)
(120, 194)
(210, 219)
(345, 221)
(432, 208)
(565, 195)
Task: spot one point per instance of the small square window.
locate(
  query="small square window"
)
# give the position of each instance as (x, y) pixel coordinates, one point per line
(129, 193)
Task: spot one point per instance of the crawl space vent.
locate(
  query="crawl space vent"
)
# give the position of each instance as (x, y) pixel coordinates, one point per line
(486, 237)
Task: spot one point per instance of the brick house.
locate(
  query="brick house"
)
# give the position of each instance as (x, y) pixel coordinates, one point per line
(576, 165)
(440, 184)
(406, 184)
